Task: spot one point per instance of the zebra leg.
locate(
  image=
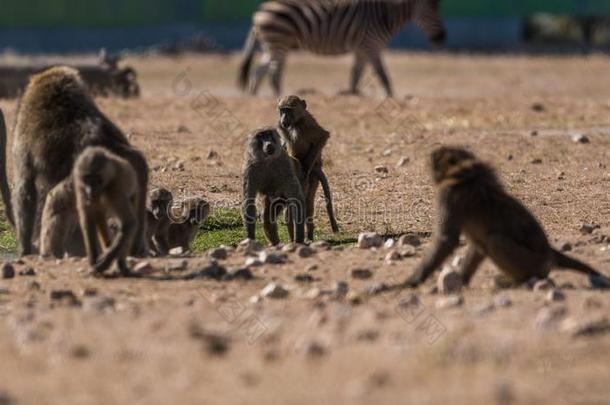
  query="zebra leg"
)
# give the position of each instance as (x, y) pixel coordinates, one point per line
(357, 70)
(259, 74)
(381, 73)
(277, 70)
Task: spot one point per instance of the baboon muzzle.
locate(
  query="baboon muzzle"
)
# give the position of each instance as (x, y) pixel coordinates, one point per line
(269, 148)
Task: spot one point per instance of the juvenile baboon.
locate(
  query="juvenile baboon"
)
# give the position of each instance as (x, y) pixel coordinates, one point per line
(472, 201)
(106, 187)
(158, 220)
(183, 230)
(269, 171)
(56, 120)
(305, 139)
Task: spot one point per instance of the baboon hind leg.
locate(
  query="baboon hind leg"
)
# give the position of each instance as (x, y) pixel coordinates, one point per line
(270, 214)
(310, 205)
(471, 263)
(515, 260)
(25, 199)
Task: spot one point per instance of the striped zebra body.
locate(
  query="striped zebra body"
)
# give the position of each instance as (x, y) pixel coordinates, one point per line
(332, 27)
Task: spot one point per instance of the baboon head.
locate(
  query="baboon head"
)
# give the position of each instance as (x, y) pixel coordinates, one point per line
(447, 161)
(265, 144)
(160, 201)
(127, 83)
(292, 109)
(93, 171)
(427, 16)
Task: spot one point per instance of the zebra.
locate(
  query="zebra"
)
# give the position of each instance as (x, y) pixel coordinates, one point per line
(332, 27)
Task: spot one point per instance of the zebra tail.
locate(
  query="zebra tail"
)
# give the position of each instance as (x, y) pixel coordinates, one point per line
(246, 64)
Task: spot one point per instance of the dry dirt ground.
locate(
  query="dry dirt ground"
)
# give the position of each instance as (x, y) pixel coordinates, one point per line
(161, 340)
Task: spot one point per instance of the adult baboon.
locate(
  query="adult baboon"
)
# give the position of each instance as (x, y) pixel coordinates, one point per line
(56, 120)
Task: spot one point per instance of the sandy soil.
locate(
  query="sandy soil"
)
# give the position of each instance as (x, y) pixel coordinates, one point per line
(163, 339)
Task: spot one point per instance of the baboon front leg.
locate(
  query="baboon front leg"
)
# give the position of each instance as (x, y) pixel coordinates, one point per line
(471, 263)
(88, 222)
(25, 198)
(310, 203)
(249, 209)
(121, 245)
(270, 220)
(380, 70)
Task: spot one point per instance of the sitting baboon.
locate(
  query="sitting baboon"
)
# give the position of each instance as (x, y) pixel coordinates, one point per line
(471, 201)
(305, 139)
(158, 220)
(56, 120)
(270, 171)
(187, 217)
(106, 187)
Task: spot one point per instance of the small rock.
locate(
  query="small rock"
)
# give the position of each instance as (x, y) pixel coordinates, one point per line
(451, 301)
(544, 285)
(386, 153)
(313, 294)
(587, 229)
(538, 107)
(28, 272)
(389, 243)
(65, 296)
(409, 239)
(433, 290)
(183, 129)
(90, 292)
(503, 302)
(275, 291)
(566, 247)
(402, 162)
(8, 271)
(212, 154)
(369, 240)
(305, 251)
(213, 271)
(177, 251)
(354, 298)
(214, 343)
(311, 268)
(241, 274)
(599, 282)
(381, 169)
(303, 278)
(34, 286)
(340, 289)
(579, 138)
(218, 253)
(555, 295)
(367, 335)
(80, 352)
(548, 317)
(534, 133)
(407, 251)
(143, 267)
(362, 274)
(449, 281)
(578, 327)
(249, 246)
(253, 262)
(313, 349)
(176, 265)
(393, 257)
(536, 161)
(321, 245)
(271, 258)
(410, 300)
(289, 248)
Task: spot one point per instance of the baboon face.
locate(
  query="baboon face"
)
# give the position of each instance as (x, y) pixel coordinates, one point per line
(265, 144)
(160, 200)
(291, 109)
(446, 162)
(93, 171)
(199, 212)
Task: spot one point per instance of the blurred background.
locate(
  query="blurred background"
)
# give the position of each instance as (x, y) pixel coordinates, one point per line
(76, 26)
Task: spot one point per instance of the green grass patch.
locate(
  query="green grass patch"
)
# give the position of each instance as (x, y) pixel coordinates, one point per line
(8, 239)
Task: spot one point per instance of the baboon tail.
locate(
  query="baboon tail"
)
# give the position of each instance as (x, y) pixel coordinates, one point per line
(4, 187)
(329, 200)
(597, 279)
(246, 64)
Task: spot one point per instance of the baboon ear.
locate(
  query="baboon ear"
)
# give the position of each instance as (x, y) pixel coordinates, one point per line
(304, 103)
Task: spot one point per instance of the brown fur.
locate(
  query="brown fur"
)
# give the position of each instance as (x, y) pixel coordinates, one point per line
(184, 228)
(305, 139)
(56, 120)
(106, 187)
(158, 220)
(472, 202)
(269, 171)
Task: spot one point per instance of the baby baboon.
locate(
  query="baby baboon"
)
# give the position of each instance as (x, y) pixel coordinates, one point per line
(472, 201)
(305, 139)
(106, 187)
(56, 120)
(193, 211)
(158, 220)
(269, 171)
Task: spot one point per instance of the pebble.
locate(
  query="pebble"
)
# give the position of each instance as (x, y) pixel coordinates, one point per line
(410, 239)
(407, 251)
(340, 289)
(253, 262)
(578, 327)
(548, 317)
(250, 246)
(354, 298)
(381, 169)
(241, 274)
(213, 271)
(599, 282)
(449, 281)
(587, 229)
(555, 295)
(389, 244)
(305, 251)
(538, 107)
(362, 274)
(544, 285)
(219, 253)
(177, 251)
(321, 245)
(214, 343)
(275, 291)
(143, 267)
(451, 301)
(313, 349)
(8, 271)
(303, 278)
(393, 257)
(566, 247)
(402, 162)
(580, 138)
(28, 272)
(387, 152)
(176, 265)
(34, 286)
(313, 294)
(183, 129)
(312, 267)
(64, 295)
(289, 248)
(271, 258)
(369, 240)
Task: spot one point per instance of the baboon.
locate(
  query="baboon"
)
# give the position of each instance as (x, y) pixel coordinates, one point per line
(56, 120)
(193, 211)
(269, 171)
(305, 139)
(106, 187)
(158, 220)
(472, 201)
